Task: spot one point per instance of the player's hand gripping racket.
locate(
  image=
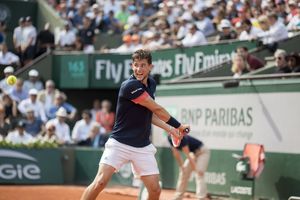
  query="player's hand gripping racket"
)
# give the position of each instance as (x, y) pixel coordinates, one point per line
(176, 141)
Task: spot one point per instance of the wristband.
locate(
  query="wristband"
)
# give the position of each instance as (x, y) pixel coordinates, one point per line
(173, 122)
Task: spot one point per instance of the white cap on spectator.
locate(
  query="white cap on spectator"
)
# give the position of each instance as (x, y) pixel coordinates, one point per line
(33, 72)
(279, 52)
(95, 6)
(61, 112)
(49, 125)
(170, 4)
(8, 69)
(33, 91)
(292, 2)
(225, 23)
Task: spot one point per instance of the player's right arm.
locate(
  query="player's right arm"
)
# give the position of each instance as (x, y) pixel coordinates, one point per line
(135, 92)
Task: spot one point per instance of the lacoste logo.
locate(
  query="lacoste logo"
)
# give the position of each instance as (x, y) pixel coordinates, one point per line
(134, 91)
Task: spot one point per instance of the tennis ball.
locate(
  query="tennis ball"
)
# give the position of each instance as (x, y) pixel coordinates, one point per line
(11, 80)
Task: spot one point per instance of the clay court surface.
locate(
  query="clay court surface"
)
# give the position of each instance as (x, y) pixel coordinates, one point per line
(18, 192)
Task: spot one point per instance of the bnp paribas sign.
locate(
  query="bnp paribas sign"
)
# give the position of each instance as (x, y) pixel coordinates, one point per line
(30, 166)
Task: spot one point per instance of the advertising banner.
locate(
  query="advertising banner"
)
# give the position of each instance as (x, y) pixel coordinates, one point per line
(24, 166)
(110, 70)
(227, 122)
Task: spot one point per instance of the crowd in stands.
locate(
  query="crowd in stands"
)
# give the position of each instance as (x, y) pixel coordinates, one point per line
(153, 24)
(243, 62)
(164, 24)
(29, 113)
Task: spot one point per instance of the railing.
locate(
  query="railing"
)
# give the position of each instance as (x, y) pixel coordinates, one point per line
(294, 198)
(226, 78)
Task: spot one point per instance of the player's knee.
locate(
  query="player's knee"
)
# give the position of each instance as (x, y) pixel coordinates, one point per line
(155, 191)
(100, 182)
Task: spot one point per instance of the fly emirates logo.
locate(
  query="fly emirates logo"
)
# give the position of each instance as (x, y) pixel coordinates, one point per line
(18, 170)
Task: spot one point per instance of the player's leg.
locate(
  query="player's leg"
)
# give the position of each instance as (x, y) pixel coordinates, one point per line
(202, 164)
(183, 180)
(103, 176)
(113, 157)
(144, 165)
(151, 182)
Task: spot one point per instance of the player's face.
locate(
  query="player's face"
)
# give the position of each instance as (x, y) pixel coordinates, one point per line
(141, 69)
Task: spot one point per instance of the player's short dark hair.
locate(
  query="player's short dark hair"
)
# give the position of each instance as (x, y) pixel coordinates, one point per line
(142, 54)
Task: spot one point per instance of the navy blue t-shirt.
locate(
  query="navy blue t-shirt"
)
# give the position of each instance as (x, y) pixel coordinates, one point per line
(133, 121)
(189, 141)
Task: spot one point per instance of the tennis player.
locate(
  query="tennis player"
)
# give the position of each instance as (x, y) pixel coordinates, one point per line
(129, 141)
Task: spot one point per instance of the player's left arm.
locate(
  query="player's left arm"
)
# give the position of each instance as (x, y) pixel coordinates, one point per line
(161, 124)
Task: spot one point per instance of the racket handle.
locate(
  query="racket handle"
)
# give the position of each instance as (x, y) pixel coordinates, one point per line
(186, 130)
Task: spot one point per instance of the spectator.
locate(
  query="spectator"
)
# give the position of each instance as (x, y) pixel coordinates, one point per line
(106, 118)
(147, 10)
(252, 61)
(281, 62)
(28, 44)
(111, 24)
(77, 19)
(33, 125)
(45, 40)
(87, 35)
(111, 5)
(4, 125)
(194, 37)
(276, 32)
(19, 93)
(67, 38)
(136, 45)
(294, 23)
(239, 66)
(11, 109)
(50, 134)
(2, 31)
(96, 108)
(122, 15)
(97, 16)
(292, 4)
(7, 57)
(47, 96)
(19, 136)
(281, 10)
(33, 82)
(18, 35)
(60, 101)
(9, 70)
(250, 32)
(94, 135)
(62, 130)
(226, 31)
(264, 25)
(293, 61)
(125, 47)
(32, 102)
(133, 17)
(205, 24)
(82, 127)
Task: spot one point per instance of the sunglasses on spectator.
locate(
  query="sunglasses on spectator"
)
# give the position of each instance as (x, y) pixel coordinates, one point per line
(278, 58)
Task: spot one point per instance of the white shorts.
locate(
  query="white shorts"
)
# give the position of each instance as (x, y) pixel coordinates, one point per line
(142, 159)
